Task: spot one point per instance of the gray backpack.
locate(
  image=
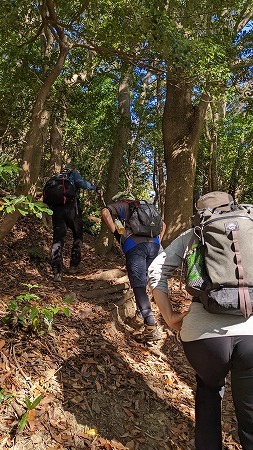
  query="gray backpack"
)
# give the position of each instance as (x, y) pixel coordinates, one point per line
(218, 264)
(145, 219)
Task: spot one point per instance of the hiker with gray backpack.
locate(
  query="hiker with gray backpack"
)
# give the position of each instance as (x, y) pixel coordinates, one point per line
(61, 194)
(217, 332)
(138, 227)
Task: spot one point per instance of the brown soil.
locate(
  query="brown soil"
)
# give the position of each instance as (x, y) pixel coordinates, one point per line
(100, 388)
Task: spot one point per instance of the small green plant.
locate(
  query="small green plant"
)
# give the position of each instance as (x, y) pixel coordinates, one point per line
(24, 205)
(29, 405)
(5, 398)
(25, 311)
(7, 170)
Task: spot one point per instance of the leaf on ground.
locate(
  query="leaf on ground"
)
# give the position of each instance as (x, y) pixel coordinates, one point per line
(2, 343)
(130, 445)
(31, 415)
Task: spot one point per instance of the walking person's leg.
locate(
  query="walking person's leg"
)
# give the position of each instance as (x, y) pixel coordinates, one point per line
(210, 358)
(136, 269)
(242, 388)
(59, 234)
(148, 253)
(136, 262)
(75, 223)
(143, 305)
(152, 252)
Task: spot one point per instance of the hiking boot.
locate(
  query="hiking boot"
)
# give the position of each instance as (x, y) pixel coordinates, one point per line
(57, 276)
(135, 322)
(150, 334)
(73, 270)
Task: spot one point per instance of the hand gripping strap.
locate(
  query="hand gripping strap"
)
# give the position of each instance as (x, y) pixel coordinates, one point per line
(243, 291)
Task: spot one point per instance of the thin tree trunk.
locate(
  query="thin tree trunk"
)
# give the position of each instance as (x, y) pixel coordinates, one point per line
(129, 170)
(105, 239)
(212, 136)
(159, 182)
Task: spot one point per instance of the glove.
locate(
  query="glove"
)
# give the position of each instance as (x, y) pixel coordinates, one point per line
(117, 236)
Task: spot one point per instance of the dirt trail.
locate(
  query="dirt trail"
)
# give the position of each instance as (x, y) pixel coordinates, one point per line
(101, 389)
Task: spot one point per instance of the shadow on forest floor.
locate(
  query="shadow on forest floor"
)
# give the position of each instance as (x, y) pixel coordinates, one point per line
(101, 389)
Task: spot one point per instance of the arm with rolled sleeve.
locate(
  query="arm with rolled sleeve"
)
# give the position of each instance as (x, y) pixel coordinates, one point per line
(160, 270)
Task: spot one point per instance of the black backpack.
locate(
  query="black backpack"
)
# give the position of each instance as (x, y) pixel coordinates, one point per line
(59, 189)
(145, 219)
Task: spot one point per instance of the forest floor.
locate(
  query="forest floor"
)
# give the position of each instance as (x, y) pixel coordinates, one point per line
(96, 386)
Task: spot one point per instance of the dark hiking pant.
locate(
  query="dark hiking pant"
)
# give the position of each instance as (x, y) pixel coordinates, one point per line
(212, 359)
(64, 217)
(138, 259)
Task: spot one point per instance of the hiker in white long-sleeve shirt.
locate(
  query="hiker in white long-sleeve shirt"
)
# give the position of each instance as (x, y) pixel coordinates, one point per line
(214, 344)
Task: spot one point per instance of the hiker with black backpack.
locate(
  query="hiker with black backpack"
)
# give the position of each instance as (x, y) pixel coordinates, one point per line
(217, 332)
(61, 194)
(138, 227)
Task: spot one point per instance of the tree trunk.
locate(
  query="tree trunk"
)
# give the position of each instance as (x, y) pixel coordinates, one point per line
(33, 149)
(105, 238)
(56, 149)
(182, 124)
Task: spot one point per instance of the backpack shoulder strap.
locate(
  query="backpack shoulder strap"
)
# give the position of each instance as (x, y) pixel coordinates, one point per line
(243, 291)
(120, 211)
